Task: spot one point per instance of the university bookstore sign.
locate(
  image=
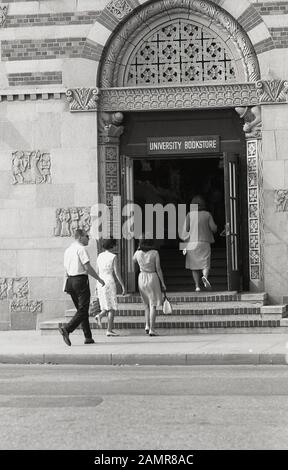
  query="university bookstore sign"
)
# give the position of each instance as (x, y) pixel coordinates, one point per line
(180, 145)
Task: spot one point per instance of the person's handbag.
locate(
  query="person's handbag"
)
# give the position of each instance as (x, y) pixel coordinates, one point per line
(94, 307)
(167, 307)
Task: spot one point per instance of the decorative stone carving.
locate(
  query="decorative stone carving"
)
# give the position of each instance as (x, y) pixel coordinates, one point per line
(83, 99)
(25, 305)
(109, 127)
(31, 167)
(255, 209)
(272, 91)
(3, 14)
(3, 288)
(252, 118)
(70, 219)
(147, 18)
(281, 200)
(17, 291)
(178, 97)
(119, 8)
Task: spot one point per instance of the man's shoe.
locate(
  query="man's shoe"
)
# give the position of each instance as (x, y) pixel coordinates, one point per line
(89, 341)
(65, 335)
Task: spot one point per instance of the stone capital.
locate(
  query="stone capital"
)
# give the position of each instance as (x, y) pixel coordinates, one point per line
(83, 99)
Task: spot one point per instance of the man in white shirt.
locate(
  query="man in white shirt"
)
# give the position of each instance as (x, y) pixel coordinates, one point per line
(77, 267)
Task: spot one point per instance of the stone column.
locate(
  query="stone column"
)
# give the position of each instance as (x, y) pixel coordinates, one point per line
(252, 129)
(109, 133)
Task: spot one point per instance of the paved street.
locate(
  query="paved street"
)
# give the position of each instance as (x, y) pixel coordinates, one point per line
(144, 407)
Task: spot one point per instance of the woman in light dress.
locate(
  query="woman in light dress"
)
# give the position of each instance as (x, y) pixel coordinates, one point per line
(107, 294)
(150, 280)
(200, 226)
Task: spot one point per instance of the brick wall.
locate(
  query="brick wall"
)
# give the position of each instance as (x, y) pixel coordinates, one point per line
(249, 19)
(280, 36)
(271, 8)
(51, 19)
(37, 78)
(28, 49)
(265, 45)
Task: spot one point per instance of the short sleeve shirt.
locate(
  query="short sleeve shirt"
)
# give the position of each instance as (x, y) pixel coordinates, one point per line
(75, 257)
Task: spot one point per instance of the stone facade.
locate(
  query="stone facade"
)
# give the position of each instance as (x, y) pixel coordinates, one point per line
(56, 81)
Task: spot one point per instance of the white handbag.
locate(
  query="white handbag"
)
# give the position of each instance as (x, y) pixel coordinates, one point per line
(167, 307)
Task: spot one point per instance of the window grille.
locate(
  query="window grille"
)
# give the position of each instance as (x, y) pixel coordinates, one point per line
(180, 52)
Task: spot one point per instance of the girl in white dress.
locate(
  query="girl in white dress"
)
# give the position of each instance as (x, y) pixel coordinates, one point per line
(150, 280)
(107, 294)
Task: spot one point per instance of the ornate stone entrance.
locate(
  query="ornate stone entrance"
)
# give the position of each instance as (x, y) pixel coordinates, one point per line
(191, 55)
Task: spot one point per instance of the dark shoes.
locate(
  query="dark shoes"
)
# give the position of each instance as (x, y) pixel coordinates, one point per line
(89, 341)
(65, 335)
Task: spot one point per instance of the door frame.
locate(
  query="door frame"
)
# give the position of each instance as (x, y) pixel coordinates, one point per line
(128, 246)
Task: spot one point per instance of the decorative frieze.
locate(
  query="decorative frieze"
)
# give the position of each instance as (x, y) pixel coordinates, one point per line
(119, 8)
(3, 14)
(31, 167)
(178, 97)
(238, 95)
(272, 91)
(70, 219)
(281, 200)
(16, 291)
(83, 99)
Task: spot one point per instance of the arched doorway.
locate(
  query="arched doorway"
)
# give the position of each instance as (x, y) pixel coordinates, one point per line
(191, 55)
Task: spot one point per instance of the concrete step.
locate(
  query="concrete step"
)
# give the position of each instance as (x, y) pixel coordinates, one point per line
(203, 296)
(164, 327)
(202, 309)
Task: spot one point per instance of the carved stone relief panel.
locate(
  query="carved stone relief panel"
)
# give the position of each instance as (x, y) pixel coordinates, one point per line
(31, 167)
(3, 14)
(16, 291)
(119, 8)
(70, 219)
(281, 200)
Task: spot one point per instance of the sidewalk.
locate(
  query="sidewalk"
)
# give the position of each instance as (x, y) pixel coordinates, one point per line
(29, 347)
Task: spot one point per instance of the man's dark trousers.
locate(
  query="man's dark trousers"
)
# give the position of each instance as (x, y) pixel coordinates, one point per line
(78, 288)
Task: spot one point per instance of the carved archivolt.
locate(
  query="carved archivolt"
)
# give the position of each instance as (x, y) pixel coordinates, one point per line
(16, 290)
(152, 15)
(31, 167)
(70, 219)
